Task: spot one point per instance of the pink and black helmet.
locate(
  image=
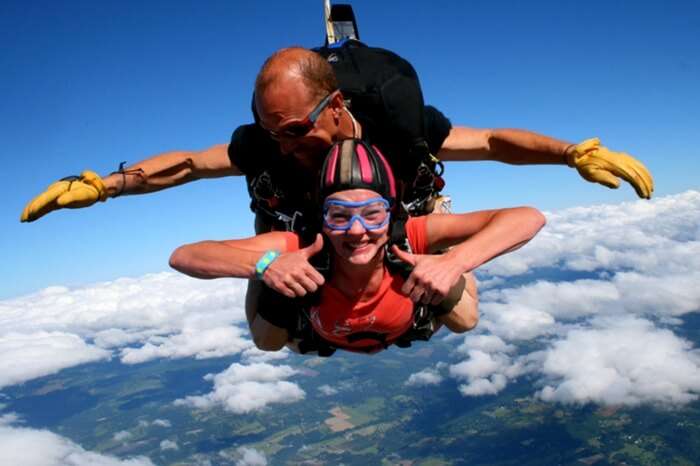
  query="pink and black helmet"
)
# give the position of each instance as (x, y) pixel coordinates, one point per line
(353, 164)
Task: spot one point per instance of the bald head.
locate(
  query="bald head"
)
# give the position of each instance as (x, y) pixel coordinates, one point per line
(287, 67)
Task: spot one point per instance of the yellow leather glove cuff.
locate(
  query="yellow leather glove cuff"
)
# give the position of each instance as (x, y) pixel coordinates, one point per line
(598, 164)
(82, 191)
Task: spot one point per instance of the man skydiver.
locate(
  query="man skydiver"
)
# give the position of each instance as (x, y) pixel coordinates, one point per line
(301, 114)
(285, 107)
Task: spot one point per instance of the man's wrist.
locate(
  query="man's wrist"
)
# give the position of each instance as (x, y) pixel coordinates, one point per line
(570, 155)
(113, 185)
(124, 180)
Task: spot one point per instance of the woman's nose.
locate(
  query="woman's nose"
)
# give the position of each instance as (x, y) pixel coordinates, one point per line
(356, 226)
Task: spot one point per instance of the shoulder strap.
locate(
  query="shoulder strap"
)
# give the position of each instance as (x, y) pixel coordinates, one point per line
(398, 237)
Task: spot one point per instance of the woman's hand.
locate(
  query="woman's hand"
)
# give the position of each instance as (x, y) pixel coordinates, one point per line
(292, 275)
(432, 277)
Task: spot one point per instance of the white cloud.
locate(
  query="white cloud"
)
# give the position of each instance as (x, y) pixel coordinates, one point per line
(484, 385)
(160, 301)
(479, 365)
(116, 337)
(251, 457)
(200, 343)
(168, 445)
(624, 292)
(31, 447)
(561, 300)
(487, 343)
(8, 418)
(162, 315)
(122, 435)
(515, 321)
(485, 373)
(622, 361)
(243, 389)
(666, 295)
(327, 390)
(424, 378)
(162, 423)
(27, 356)
(253, 354)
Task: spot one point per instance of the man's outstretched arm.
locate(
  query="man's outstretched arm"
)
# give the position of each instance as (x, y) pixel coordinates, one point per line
(594, 162)
(153, 174)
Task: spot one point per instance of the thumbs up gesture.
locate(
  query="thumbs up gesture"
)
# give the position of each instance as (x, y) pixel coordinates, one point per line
(432, 277)
(292, 275)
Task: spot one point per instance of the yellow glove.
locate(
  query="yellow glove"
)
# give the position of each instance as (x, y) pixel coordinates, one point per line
(599, 164)
(72, 193)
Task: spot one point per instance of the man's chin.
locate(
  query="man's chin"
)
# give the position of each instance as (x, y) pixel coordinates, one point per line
(308, 162)
(312, 156)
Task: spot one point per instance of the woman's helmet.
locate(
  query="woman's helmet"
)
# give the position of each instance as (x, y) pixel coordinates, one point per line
(355, 164)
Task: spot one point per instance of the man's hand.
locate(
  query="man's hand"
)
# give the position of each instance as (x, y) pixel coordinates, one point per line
(432, 277)
(82, 191)
(598, 164)
(292, 275)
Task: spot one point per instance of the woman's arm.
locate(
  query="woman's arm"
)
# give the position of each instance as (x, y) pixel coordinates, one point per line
(476, 238)
(229, 258)
(290, 274)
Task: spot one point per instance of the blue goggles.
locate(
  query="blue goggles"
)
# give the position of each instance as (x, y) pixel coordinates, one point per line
(372, 214)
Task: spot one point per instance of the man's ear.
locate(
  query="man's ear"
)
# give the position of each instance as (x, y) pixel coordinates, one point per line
(337, 104)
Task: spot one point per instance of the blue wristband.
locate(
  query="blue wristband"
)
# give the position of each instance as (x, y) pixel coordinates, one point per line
(264, 262)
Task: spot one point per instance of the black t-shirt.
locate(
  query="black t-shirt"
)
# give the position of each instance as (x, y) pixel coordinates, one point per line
(277, 185)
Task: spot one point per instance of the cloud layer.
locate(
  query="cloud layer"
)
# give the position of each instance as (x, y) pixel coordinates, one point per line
(25, 356)
(163, 315)
(623, 274)
(608, 339)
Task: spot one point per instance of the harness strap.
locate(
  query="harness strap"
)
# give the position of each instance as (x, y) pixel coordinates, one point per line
(398, 237)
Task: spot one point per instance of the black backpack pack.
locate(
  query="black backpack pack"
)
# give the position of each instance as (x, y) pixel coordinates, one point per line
(383, 89)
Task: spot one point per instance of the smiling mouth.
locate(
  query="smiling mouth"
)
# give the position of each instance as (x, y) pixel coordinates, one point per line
(357, 246)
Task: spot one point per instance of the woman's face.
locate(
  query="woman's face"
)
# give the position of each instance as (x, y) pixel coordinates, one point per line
(358, 245)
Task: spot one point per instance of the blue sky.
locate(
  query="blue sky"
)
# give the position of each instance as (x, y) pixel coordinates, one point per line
(86, 85)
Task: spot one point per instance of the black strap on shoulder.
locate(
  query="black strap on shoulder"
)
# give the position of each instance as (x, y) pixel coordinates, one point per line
(398, 237)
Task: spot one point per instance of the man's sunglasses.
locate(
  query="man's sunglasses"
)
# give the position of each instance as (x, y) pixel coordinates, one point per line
(297, 129)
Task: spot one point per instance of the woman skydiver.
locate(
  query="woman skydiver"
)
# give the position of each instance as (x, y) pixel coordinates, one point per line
(365, 304)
